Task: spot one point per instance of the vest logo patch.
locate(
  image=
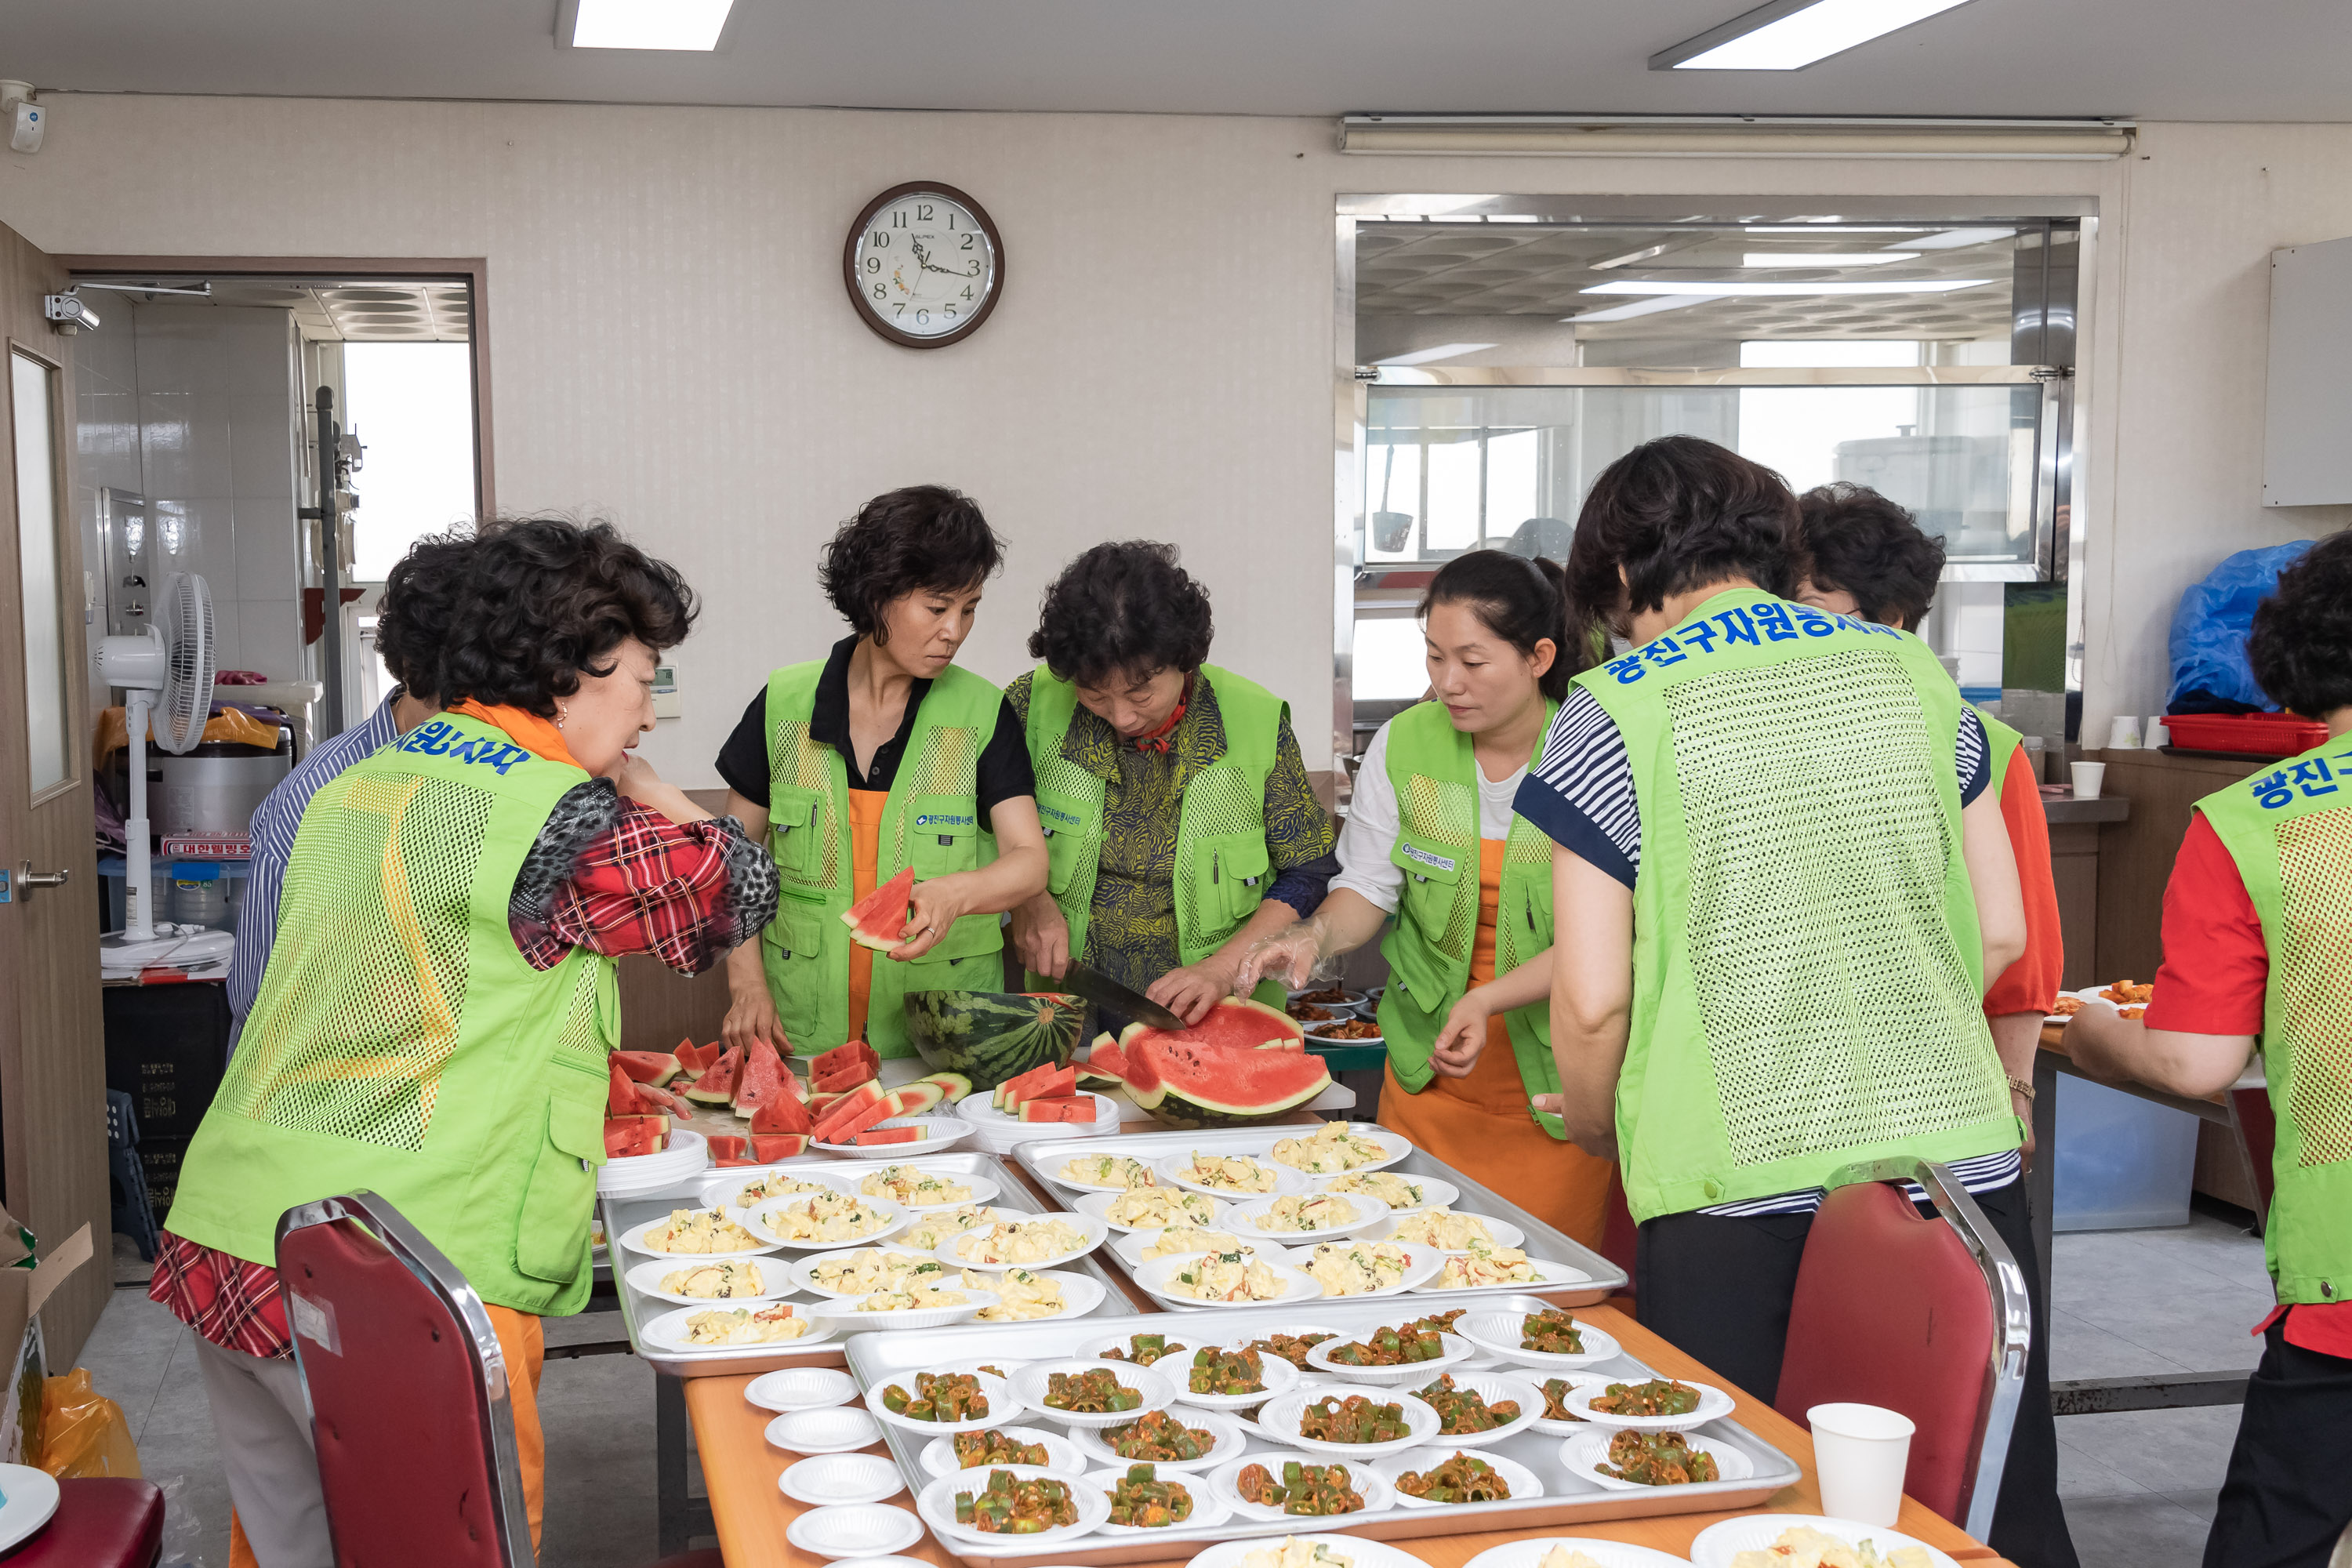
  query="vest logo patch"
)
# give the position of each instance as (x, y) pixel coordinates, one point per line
(944, 820)
(2311, 779)
(1754, 626)
(1435, 862)
(1067, 818)
(441, 739)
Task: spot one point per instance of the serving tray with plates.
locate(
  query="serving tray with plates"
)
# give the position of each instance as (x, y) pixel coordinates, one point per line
(1566, 1497)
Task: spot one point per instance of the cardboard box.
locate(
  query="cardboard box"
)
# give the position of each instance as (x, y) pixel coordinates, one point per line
(21, 1291)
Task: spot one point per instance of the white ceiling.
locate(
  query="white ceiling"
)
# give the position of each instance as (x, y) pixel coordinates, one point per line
(2157, 60)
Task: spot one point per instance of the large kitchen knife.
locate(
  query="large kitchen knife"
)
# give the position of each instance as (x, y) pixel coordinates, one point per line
(1104, 991)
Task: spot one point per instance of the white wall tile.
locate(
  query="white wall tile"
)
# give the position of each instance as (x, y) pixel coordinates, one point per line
(268, 563)
(271, 636)
(261, 444)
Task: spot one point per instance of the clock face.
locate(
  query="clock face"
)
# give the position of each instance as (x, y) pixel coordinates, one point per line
(924, 264)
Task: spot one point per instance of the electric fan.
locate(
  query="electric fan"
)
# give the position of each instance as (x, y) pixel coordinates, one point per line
(166, 673)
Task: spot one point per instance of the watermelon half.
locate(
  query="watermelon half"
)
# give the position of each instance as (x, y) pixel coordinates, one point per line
(993, 1036)
(878, 919)
(1186, 1082)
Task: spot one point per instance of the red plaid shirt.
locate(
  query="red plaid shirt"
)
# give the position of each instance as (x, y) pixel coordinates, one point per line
(649, 885)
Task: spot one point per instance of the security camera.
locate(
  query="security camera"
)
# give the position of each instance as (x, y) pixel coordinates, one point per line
(69, 310)
(26, 120)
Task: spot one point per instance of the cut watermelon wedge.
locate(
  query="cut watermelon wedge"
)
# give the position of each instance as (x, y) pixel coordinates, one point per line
(783, 1146)
(620, 1094)
(646, 1066)
(693, 1060)
(782, 1114)
(878, 919)
(761, 1081)
(954, 1083)
(716, 1085)
(919, 1097)
(844, 1129)
(1077, 1107)
(890, 1135)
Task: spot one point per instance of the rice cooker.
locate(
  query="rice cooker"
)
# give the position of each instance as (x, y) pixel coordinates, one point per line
(217, 787)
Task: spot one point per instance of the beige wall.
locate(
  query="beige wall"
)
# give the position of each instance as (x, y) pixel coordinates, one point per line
(671, 344)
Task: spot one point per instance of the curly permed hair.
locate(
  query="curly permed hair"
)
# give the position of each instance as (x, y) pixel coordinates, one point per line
(1674, 514)
(547, 600)
(904, 542)
(2301, 644)
(420, 599)
(1857, 540)
(1123, 609)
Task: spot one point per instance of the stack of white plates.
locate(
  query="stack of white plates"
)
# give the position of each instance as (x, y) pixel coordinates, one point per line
(685, 1157)
(1000, 1134)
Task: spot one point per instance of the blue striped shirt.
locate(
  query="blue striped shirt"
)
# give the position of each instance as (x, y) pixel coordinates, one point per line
(275, 822)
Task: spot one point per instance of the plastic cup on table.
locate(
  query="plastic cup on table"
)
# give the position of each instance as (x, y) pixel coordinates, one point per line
(2157, 733)
(2122, 733)
(2088, 777)
(1859, 1452)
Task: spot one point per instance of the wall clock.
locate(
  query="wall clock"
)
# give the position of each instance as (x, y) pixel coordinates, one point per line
(924, 264)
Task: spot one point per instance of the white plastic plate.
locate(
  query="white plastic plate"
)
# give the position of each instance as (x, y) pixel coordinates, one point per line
(1713, 1404)
(1031, 1383)
(1378, 1495)
(1584, 1453)
(860, 1530)
(775, 1280)
(1097, 1205)
(1433, 1191)
(1422, 1264)
(1494, 1388)
(1061, 1454)
(836, 1430)
(724, 1189)
(1286, 1180)
(1279, 1421)
(1077, 1186)
(1296, 1285)
(800, 1388)
(1549, 1276)
(669, 1332)
(1523, 1482)
(1719, 1543)
(893, 1220)
(633, 1240)
(939, 1132)
(1607, 1553)
(1457, 1350)
(829, 1479)
(1094, 1442)
(1003, 1404)
(1129, 1248)
(1209, 1509)
(839, 1312)
(1253, 1220)
(1397, 1146)
(1081, 1294)
(1503, 1231)
(1575, 1380)
(1500, 1333)
(983, 1188)
(936, 1503)
(802, 1273)
(1092, 1232)
(32, 1497)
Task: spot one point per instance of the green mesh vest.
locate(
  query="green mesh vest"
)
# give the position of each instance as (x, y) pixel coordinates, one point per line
(1434, 768)
(400, 1040)
(1807, 966)
(2290, 830)
(931, 822)
(1223, 865)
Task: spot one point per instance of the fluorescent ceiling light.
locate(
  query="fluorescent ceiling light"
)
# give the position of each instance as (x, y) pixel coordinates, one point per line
(649, 24)
(1832, 228)
(1826, 258)
(1717, 291)
(1430, 356)
(1640, 308)
(1786, 37)
(1954, 238)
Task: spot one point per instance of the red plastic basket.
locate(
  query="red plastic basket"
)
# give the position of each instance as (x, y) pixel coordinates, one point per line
(2245, 734)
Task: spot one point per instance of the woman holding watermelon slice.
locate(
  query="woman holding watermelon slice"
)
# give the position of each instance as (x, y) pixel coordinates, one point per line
(879, 760)
(1431, 840)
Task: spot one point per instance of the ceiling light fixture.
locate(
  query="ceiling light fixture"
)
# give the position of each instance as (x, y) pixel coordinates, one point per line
(691, 26)
(1641, 308)
(1431, 356)
(1941, 286)
(1825, 258)
(1789, 35)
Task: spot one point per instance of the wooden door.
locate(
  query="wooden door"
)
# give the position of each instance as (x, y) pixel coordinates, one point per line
(52, 1036)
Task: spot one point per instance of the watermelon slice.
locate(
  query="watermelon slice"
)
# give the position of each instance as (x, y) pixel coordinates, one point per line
(716, 1085)
(782, 1114)
(1047, 1083)
(646, 1066)
(920, 1096)
(878, 919)
(845, 1129)
(1010, 1091)
(1077, 1107)
(761, 1079)
(725, 1147)
(782, 1146)
(1186, 1084)
(819, 1100)
(890, 1135)
(954, 1084)
(849, 1106)
(698, 1059)
(621, 1095)
(626, 1137)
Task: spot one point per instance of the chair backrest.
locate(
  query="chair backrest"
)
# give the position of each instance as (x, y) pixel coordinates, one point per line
(1927, 1317)
(408, 1391)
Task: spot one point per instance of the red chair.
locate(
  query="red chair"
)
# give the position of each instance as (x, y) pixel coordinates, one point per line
(102, 1522)
(1925, 1317)
(409, 1403)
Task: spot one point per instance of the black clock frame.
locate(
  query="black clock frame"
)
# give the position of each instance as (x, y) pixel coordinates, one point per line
(856, 296)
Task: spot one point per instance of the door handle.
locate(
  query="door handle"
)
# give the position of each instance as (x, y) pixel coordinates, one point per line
(28, 879)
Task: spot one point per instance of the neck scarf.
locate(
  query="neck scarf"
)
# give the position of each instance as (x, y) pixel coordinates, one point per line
(527, 729)
(1160, 740)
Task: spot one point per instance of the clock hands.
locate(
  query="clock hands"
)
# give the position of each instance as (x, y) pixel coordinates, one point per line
(929, 265)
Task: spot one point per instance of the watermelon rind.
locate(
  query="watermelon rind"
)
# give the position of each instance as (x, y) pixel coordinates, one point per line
(717, 1084)
(1190, 1086)
(993, 1036)
(878, 919)
(656, 1068)
(920, 1096)
(953, 1084)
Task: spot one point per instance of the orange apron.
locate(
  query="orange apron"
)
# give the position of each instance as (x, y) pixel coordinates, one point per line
(1480, 1124)
(865, 807)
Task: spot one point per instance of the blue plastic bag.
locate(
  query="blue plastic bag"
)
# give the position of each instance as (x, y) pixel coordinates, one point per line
(2208, 646)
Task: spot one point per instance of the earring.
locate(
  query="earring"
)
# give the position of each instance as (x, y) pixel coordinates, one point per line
(560, 715)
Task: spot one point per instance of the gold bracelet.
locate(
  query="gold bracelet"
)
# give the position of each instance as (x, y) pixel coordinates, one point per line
(2023, 1086)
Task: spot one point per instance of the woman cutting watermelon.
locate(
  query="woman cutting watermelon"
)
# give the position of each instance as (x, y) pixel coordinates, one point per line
(1431, 839)
(881, 758)
(1159, 771)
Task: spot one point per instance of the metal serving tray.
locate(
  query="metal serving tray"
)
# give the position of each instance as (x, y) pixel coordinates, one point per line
(638, 1309)
(1604, 1278)
(876, 1359)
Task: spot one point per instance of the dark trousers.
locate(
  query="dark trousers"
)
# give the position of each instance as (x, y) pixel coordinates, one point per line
(1720, 1289)
(2289, 1492)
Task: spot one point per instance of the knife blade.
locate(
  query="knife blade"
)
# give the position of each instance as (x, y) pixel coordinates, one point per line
(1105, 992)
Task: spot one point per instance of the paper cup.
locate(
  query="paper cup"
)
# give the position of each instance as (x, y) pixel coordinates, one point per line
(2157, 733)
(2122, 733)
(2088, 776)
(1859, 1452)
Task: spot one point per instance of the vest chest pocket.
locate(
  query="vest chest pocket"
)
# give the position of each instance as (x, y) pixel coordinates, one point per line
(795, 829)
(942, 834)
(559, 1197)
(797, 940)
(1231, 873)
(1071, 839)
(1431, 870)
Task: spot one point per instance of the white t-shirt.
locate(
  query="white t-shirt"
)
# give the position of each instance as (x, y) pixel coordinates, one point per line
(1371, 830)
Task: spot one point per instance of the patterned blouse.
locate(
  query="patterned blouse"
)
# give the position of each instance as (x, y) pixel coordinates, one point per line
(1131, 928)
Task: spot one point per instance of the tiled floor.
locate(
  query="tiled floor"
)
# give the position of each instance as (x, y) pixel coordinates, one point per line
(2138, 1488)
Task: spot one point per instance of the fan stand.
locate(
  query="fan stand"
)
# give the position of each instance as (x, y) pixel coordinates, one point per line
(142, 945)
